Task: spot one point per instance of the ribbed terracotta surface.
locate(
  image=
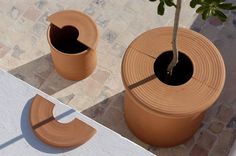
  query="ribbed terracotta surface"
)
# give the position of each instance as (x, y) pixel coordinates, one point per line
(80, 65)
(53, 133)
(199, 93)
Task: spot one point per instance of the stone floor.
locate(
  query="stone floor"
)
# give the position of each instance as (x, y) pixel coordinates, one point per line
(24, 52)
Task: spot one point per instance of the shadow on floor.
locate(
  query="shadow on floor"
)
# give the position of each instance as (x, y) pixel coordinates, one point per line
(110, 113)
(41, 74)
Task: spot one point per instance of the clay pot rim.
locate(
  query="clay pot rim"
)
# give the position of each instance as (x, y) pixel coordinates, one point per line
(162, 110)
(82, 52)
(63, 53)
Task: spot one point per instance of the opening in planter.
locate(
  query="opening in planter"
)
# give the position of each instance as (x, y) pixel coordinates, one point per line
(65, 39)
(182, 72)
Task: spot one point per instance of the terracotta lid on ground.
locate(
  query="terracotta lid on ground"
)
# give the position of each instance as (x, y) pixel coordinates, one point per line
(54, 133)
(88, 33)
(199, 93)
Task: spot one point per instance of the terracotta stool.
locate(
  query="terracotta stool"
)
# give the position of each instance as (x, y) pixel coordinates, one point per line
(80, 64)
(161, 114)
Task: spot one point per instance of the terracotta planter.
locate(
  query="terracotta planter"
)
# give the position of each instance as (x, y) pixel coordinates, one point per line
(162, 114)
(72, 37)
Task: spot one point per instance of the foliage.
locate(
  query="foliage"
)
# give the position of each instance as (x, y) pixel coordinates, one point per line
(206, 8)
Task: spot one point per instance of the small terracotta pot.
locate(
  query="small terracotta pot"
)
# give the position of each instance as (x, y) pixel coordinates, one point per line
(81, 62)
(166, 115)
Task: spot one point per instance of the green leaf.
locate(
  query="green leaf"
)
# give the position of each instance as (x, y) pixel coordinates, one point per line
(225, 6)
(220, 15)
(161, 9)
(200, 9)
(233, 8)
(193, 3)
(170, 3)
(205, 14)
(152, 0)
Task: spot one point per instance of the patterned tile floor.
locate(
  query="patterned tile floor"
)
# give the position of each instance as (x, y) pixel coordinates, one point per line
(24, 52)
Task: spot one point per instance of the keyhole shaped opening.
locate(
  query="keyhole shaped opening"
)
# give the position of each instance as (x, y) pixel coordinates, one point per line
(65, 39)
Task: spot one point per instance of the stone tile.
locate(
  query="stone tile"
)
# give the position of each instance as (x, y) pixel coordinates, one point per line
(41, 4)
(55, 7)
(98, 110)
(32, 79)
(126, 38)
(3, 50)
(102, 21)
(66, 99)
(54, 83)
(32, 13)
(15, 12)
(90, 10)
(106, 60)
(232, 123)
(115, 82)
(210, 31)
(17, 52)
(99, 3)
(224, 143)
(109, 36)
(94, 112)
(163, 152)
(118, 49)
(39, 29)
(206, 140)
(91, 87)
(43, 17)
(215, 21)
(139, 142)
(198, 151)
(118, 101)
(114, 119)
(81, 102)
(100, 75)
(216, 127)
(189, 144)
(105, 93)
(180, 151)
(224, 114)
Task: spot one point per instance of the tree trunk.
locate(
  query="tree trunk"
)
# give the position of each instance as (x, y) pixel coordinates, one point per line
(175, 58)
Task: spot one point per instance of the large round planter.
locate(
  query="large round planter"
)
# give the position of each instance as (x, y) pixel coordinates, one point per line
(166, 115)
(77, 65)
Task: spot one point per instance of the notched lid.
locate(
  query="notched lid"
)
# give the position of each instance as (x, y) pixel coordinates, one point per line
(88, 33)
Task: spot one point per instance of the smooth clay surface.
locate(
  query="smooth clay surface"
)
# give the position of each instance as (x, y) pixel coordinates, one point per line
(161, 114)
(54, 133)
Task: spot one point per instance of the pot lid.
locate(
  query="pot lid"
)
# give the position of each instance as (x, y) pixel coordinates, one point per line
(88, 33)
(194, 96)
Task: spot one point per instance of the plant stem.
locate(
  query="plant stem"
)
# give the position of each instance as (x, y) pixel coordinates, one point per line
(175, 58)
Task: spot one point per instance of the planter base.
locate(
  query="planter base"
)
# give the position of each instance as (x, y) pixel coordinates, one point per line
(158, 129)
